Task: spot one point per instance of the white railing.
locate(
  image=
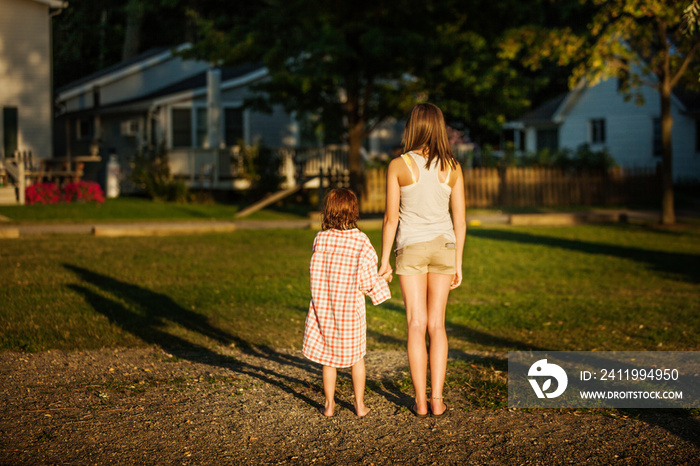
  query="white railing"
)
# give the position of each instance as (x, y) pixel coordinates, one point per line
(16, 168)
(226, 168)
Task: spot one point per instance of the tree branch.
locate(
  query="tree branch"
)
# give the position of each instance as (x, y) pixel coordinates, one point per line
(685, 64)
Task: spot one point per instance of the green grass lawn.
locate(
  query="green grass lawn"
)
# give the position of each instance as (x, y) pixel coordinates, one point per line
(138, 209)
(616, 287)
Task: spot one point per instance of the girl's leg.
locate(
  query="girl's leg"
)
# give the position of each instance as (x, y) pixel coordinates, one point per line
(438, 291)
(358, 385)
(329, 376)
(415, 290)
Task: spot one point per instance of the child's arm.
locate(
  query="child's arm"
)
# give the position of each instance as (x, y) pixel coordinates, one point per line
(370, 283)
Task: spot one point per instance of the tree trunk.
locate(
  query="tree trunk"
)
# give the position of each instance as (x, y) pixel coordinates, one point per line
(355, 137)
(356, 134)
(668, 215)
(135, 11)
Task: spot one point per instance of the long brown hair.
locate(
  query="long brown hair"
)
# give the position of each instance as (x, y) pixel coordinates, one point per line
(340, 210)
(425, 127)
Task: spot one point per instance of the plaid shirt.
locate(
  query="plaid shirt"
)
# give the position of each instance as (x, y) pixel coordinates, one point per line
(343, 269)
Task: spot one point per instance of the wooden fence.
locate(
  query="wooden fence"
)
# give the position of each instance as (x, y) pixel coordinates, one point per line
(535, 187)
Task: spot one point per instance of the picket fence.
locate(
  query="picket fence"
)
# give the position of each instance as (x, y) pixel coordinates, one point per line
(535, 187)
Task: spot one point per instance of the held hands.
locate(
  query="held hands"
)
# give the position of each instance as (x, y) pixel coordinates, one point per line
(386, 273)
(457, 280)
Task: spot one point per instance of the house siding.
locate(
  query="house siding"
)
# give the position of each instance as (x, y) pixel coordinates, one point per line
(272, 130)
(25, 73)
(630, 128)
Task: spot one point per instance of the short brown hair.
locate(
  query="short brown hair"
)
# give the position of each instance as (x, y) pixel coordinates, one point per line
(340, 210)
(425, 127)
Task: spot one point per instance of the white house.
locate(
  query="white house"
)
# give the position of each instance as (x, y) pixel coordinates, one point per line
(158, 99)
(26, 102)
(25, 75)
(600, 116)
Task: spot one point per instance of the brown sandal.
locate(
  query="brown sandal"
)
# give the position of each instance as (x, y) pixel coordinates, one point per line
(414, 410)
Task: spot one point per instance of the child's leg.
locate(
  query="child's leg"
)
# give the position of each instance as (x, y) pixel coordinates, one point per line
(358, 385)
(329, 376)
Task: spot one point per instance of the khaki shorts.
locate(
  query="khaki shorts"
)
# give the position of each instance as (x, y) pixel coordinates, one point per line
(434, 256)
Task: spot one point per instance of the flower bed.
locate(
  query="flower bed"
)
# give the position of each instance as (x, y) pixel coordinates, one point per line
(49, 193)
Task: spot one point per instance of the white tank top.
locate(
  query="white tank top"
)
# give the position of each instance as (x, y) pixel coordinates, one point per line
(424, 210)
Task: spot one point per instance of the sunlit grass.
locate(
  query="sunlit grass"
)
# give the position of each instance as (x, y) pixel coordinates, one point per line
(574, 288)
(139, 209)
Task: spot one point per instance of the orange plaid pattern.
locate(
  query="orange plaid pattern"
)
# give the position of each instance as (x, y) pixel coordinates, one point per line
(343, 269)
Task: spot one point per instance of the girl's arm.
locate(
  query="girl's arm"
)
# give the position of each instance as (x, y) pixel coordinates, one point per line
(368, 280)
(459, 222)
(391, 215)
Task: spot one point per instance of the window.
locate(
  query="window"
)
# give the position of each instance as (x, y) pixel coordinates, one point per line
(84, 129)
(182, 127)
(548, 139)
(130, 128)
(658, 149)
(10, 130)
(597, 131)
(233, 124)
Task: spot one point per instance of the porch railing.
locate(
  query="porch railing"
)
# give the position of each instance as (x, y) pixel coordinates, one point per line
(226, 168)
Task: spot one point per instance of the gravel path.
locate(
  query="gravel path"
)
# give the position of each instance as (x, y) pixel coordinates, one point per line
(260, 406)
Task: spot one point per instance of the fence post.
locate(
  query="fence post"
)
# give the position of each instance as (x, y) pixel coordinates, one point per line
(21, 181)
(502, 185)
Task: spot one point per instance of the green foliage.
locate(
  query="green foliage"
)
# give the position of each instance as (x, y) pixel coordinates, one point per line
(151, 174)
(584, 158)
(632, 39)
(89, 35)
(356, 64)
(261, 167)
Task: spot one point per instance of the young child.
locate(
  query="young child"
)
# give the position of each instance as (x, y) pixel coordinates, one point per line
(343, 269)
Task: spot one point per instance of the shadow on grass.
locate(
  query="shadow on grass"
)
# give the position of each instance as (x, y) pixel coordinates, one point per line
(685, 265)
(464, 333)
(159, 309)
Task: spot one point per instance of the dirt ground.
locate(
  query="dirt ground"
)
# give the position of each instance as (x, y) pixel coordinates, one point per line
(260, 406)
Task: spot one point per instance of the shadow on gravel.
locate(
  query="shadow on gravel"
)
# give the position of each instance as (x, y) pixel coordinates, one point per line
(157, 309)
(679, 422)
(672, 263)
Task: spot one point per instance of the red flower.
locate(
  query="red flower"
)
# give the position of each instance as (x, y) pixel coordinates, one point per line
(42, 193)
(48, 193)
(83, 191)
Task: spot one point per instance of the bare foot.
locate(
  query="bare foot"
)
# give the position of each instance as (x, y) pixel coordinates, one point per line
(362, 410)
(437, 407)
(329, 409)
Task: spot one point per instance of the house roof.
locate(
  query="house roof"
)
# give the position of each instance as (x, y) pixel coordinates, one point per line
(553, 110)
(190, 87)
(200, 80)
(545, 112)
(115, 72)
(113, 69)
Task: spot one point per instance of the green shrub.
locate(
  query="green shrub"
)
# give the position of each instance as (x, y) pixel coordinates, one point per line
(151, 174)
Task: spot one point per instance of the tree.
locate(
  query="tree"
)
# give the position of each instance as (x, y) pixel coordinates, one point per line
(472, 82)
(641, 42)
(352, 63)
(92, 35)
(356, 63)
